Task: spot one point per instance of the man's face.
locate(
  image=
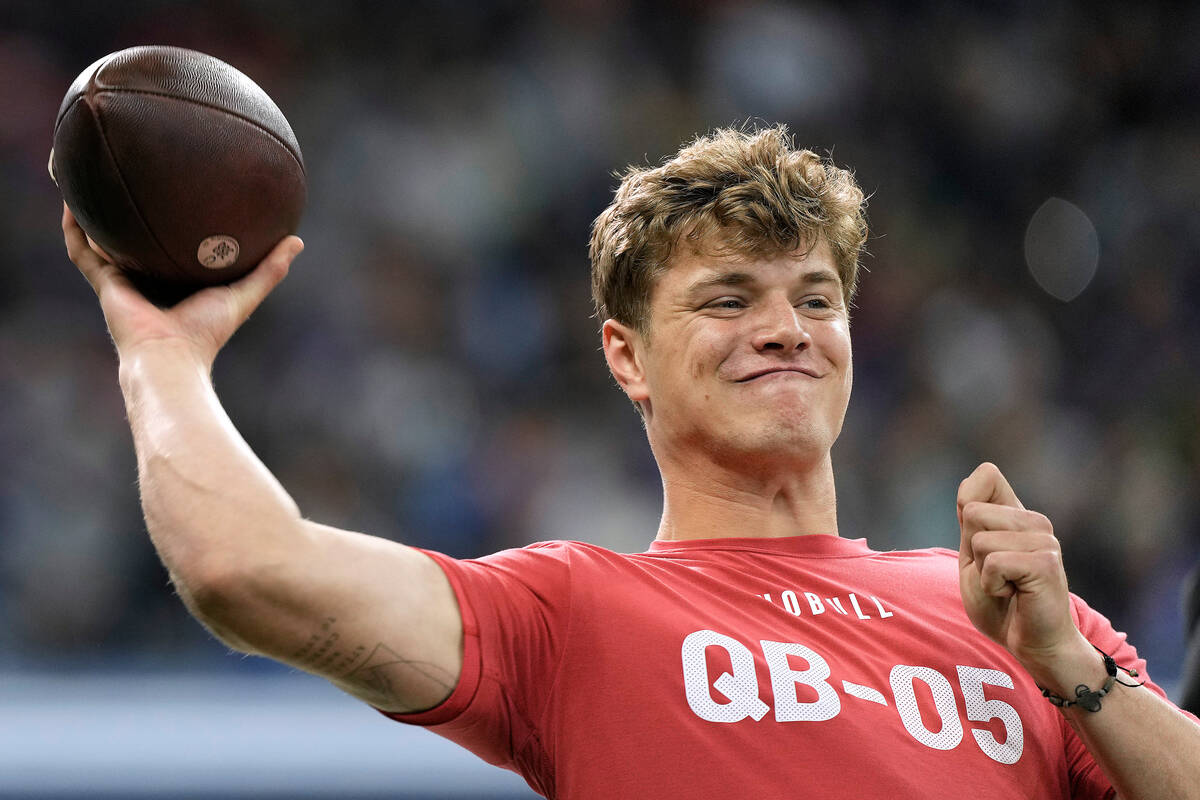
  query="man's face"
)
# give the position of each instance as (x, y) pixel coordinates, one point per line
(746, 356)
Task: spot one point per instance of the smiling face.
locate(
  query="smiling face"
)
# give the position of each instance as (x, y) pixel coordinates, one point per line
(744, 357)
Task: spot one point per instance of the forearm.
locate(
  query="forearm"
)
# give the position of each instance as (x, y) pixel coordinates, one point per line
(1014, 589)
(1148, 748)
(377, 618)
(211, 506)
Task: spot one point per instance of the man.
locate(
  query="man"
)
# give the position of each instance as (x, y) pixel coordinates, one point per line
(751, 652)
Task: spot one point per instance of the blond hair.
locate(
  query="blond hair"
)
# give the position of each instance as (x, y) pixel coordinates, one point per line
(751, 188)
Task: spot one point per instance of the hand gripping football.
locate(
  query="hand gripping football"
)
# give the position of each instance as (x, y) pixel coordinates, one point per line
(178, 166)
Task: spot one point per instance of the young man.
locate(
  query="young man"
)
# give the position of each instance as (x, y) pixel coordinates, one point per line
(751, 652)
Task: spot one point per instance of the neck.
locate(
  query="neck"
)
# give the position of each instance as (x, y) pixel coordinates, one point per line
(714, 502)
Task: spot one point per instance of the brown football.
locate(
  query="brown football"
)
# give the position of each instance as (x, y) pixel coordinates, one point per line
(179, 166)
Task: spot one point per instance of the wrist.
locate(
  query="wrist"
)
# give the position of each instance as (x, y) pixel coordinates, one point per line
(1088, 697)
(1060, 670)
(153, 358)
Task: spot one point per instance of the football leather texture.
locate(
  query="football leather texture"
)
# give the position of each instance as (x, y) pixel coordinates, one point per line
(179, 166)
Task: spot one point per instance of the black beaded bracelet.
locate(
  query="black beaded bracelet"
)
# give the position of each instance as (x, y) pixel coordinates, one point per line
(1089, 699)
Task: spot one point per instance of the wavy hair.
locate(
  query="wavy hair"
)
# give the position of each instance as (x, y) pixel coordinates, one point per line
(752, 188)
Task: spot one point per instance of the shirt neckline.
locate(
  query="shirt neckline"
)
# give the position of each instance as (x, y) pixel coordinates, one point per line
(817, 545)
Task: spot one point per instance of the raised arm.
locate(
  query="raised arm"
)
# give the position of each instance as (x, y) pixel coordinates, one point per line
(376, 618)
(1015, 591)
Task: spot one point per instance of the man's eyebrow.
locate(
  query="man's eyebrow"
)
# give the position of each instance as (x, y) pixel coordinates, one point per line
(821, 276)
(720, 279)
(734, 278)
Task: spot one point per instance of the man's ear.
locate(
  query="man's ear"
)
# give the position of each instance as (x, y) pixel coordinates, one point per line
(624, 349)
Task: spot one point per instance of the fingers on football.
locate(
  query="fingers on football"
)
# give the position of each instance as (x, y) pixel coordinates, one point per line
(89, 262)
(250, 291)
(98, 250)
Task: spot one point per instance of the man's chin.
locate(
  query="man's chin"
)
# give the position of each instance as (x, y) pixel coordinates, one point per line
(779, 447)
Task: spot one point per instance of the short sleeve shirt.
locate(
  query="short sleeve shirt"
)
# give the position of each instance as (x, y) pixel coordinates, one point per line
(810, 666)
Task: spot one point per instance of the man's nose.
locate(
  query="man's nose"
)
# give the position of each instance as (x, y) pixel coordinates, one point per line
(780, 327)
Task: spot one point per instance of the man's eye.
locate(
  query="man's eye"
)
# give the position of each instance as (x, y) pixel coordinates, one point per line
(816, 303)
(727, 302)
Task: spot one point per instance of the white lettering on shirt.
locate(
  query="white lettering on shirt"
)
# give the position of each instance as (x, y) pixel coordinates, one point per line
(815, 603)
(785, 680)
(789, 601)
(740, 689)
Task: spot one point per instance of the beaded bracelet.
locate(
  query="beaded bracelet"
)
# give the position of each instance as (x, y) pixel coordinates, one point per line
(1089, 699)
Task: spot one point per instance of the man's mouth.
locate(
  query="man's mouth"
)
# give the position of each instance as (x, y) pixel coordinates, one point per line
(779, 370)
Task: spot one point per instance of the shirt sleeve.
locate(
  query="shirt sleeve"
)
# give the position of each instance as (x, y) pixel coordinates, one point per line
(515, 608)
(1087, 778)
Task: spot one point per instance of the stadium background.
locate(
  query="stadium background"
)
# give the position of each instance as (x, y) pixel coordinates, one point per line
(429, 371)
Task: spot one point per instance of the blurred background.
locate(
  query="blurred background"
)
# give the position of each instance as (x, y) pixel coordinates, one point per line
(430, 371)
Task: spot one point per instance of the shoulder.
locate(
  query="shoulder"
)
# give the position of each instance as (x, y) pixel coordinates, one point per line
(928, 558)
(936, 553)
(561, 552)
(538, 563)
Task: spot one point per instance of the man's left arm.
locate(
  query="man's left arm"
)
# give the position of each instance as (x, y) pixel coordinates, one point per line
(1014, 589)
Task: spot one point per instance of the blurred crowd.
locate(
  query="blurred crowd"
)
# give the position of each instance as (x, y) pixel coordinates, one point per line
(430, 371)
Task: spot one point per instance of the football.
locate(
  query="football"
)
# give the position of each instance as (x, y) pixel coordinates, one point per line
(178, 166)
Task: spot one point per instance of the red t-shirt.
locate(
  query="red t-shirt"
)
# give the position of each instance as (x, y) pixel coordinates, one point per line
(734, 668)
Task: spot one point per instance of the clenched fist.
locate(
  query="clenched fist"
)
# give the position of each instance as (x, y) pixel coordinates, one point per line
(1011, 575)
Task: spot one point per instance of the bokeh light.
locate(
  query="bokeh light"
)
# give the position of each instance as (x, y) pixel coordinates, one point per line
(1062, 248)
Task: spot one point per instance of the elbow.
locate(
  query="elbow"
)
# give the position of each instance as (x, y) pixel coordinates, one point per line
(209, 587)
(227, 596)
(229, 572)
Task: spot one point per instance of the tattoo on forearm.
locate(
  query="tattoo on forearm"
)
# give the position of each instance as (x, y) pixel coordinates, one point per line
(385, 665)
(322, 654)
(379, 672)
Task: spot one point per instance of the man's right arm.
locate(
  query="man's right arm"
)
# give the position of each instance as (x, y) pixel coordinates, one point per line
(376, 618)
